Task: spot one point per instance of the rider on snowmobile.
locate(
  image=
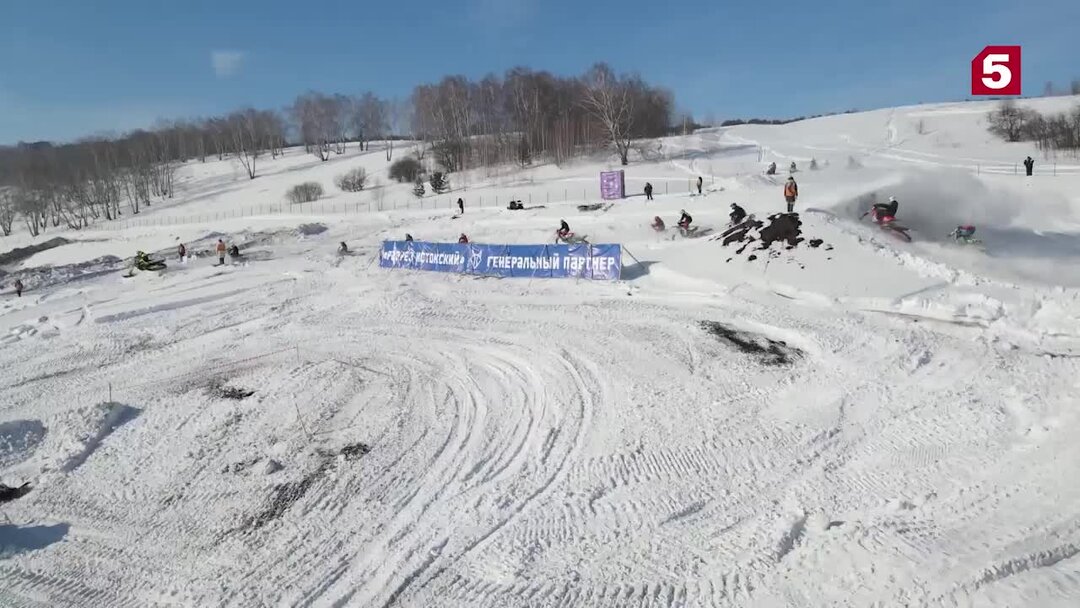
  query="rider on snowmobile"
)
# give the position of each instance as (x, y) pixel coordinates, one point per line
(738, 214)
(963, 233)
(885, 212)
(564, 229)
(462, 239)
(684, 219)
(658, 224)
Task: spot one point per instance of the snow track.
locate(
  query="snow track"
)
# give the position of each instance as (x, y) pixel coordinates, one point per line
(867, 424)
(513, 462)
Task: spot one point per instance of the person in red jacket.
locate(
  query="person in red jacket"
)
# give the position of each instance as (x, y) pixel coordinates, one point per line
(221, 252)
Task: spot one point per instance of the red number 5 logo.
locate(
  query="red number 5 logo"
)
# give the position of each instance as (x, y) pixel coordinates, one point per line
(996, 71)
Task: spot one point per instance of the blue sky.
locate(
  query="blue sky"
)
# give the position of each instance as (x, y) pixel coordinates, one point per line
(70, 68)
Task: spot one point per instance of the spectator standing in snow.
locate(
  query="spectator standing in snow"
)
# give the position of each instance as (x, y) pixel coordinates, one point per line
(791, 192)
(18, 288)
(221, 252)
(182, 252)
(461, 205)
(699, 182)
(1029, 165)
(648, 191)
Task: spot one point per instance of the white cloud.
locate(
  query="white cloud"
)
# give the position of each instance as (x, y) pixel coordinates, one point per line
(227, 63)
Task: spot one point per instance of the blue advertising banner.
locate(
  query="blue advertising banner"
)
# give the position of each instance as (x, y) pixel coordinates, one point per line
(595, 262)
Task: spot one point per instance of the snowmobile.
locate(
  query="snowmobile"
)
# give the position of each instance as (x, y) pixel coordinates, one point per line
(692, 232)
(964, 235)
(143, 263)
(888, 223)
(570, 238)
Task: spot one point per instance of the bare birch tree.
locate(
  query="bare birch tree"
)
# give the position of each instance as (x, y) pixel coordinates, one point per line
(609, 102)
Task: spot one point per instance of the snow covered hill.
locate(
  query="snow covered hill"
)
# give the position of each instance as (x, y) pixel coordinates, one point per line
(862, 422)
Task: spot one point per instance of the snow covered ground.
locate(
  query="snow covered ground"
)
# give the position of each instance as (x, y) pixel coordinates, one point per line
(868, 422)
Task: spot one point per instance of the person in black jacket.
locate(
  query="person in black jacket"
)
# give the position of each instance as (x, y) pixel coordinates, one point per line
(738, 214)
(1029, 165)
(564, 229)
(684, 219)
(648, 191)
(461, 205)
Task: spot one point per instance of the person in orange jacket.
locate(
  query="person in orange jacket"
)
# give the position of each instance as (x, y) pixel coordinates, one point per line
(791, 192)
(221, 252)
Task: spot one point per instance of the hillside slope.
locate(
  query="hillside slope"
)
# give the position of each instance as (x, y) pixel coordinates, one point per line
(865, 421)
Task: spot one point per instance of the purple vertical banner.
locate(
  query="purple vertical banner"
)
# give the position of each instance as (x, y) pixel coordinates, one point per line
(612, 184)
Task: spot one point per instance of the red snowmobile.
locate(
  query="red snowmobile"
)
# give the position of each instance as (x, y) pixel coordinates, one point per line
(885, 219)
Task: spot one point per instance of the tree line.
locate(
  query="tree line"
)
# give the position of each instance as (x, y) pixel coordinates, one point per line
(524, 116)
(529, 115)
(1051, 133)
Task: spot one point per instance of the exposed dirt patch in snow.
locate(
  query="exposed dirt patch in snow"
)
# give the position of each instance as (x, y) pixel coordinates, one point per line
(235, 393)
(766, 350)
(310, 229)
(21, 253)
(285, 496)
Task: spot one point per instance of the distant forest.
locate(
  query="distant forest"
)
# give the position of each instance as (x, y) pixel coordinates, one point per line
(524, 116)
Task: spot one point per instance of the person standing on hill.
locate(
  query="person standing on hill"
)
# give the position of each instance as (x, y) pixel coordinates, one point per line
(648, 191)
(1029, 165)
(18, 287)
(461, 205)
(699, 182)
(221, 252)
(182, 252)
(791, 192)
